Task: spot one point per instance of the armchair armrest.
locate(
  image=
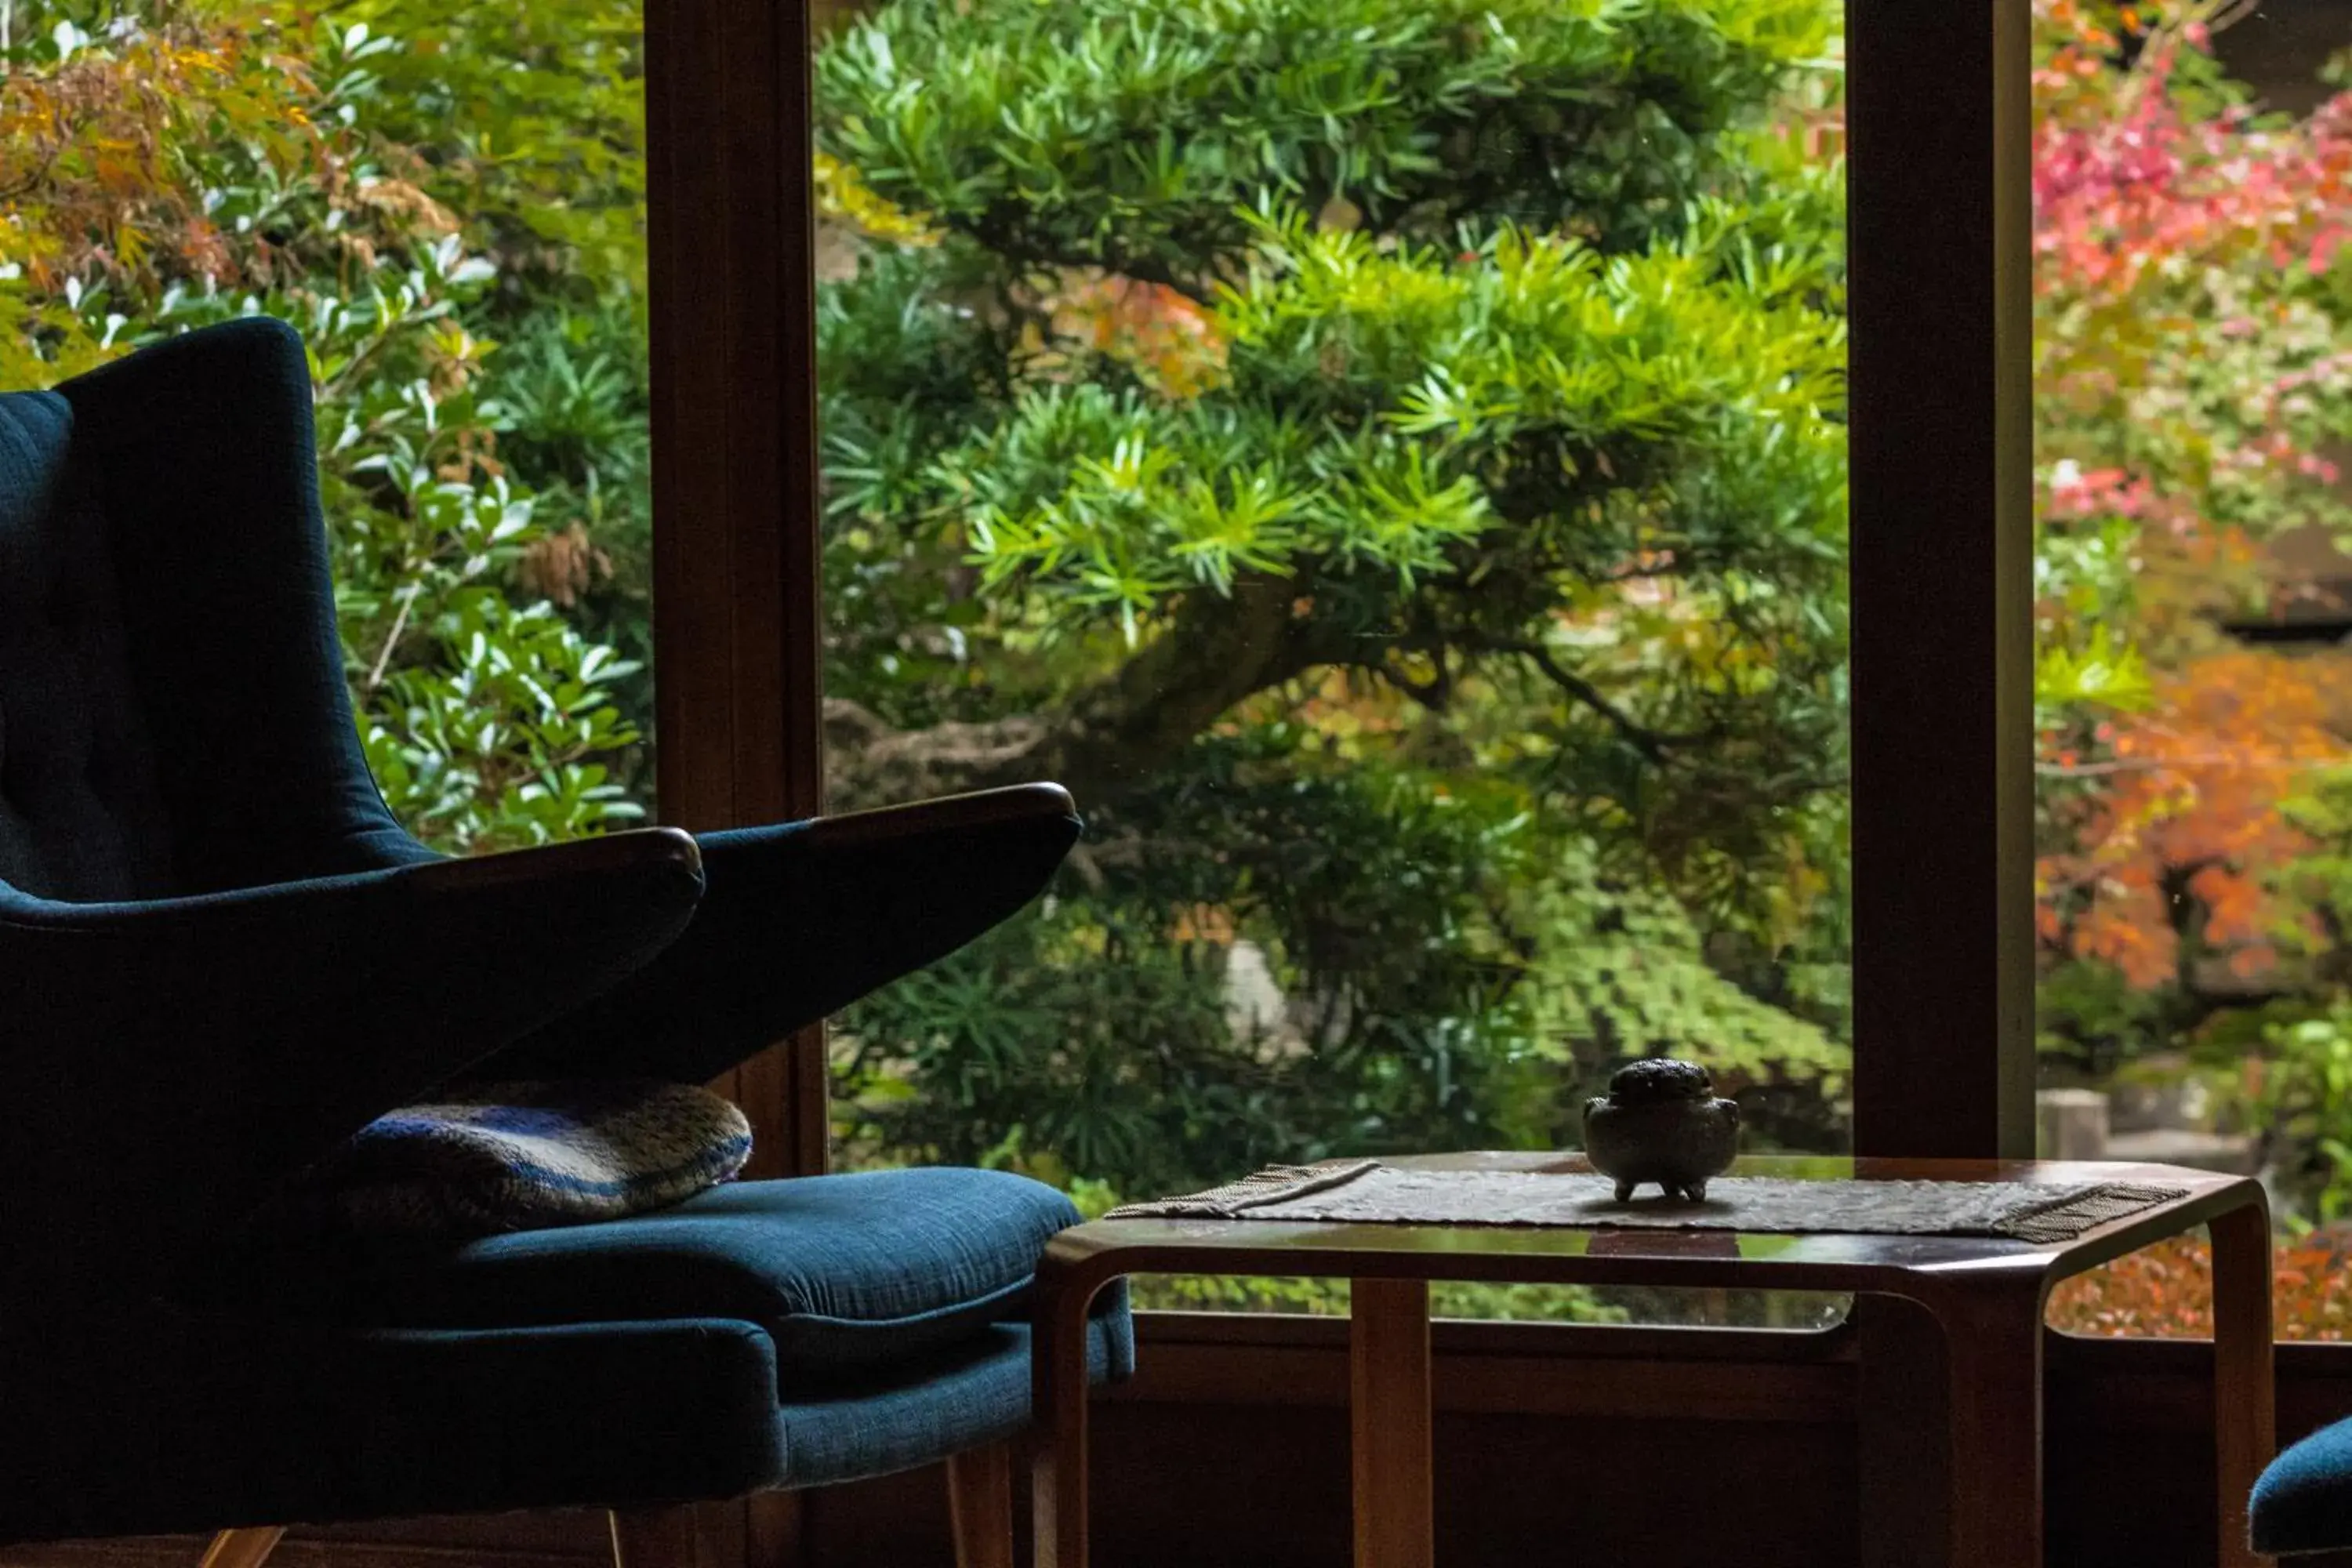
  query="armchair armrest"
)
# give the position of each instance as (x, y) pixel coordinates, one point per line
(799, 920)
(171, 1061)
(660, 850)
(945, 817)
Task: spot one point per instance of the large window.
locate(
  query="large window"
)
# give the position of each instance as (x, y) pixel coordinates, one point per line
(2193, 287)
(1388, 459)
(446, 200)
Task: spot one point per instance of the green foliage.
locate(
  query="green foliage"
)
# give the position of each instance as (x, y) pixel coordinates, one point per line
(533, 117)
(1390, 460)
(246, 158)
(1459, 974)
(2089, 1017)
(2307, 1103)
(1390, 409)
(2293, 1063)
(2104, 672)
(1133, 137)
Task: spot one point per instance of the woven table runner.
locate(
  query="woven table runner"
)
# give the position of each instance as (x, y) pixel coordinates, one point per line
(1365, 1192)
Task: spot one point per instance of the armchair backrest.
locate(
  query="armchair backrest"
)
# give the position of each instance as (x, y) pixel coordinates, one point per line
(81, 814)
(174, 717)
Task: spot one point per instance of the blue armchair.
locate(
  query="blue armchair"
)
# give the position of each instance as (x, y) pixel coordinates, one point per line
(220, 956)
(2303, 1503)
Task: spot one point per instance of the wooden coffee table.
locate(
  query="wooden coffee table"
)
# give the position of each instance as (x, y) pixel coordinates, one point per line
(1986, 1294)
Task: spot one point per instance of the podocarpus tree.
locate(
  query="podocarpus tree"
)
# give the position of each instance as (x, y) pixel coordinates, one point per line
(1387, 457)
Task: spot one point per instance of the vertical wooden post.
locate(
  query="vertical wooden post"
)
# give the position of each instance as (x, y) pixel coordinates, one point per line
(1992, 1361)
(2245, 1422)
(1904, 1443)
(1058, 1491)
(1940, 247)
(737, 674)
(249, 1548)
(736, 597)
(1940, 252)
(655, 1537)
(1389, 1412)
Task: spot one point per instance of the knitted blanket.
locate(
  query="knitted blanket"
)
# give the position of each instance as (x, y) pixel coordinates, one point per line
(490, 1158)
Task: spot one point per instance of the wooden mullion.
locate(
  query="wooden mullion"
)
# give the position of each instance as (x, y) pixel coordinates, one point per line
(800, 1083)
(736, 598)
(1940, 252)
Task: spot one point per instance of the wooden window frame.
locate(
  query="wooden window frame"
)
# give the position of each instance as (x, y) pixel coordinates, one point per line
(1942, 548)
(1941, 321)
(730, 214)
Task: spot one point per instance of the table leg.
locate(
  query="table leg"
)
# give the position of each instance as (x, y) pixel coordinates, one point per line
(1903, 1463)
(1057, 1474)
(2245, 1431)
(1389, 1407)
(1992, 1348)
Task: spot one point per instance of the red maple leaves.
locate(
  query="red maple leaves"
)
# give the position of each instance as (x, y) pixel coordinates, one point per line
(2186, 377)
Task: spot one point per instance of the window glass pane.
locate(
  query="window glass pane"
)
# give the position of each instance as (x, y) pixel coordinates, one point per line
(447, 199)
(2193, 298)
(1388, 458)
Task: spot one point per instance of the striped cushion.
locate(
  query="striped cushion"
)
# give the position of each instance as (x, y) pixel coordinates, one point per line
(488, 1159)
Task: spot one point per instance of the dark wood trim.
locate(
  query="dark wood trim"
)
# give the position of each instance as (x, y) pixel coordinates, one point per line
(1940, 247)
(736, 595)
(1462, 1336)
(1530, 1369)
(1229, 1447)
(801, 1085)
(947, 814)
(731, 219)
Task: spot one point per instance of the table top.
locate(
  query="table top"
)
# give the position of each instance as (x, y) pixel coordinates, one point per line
(1629, 1255)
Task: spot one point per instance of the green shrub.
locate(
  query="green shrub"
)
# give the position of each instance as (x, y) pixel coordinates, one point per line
(1388, 460)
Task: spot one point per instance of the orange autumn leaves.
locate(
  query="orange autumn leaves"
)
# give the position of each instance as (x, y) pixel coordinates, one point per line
(2166, 1291)
(2186, 803)
(1170, 343)
(91, 181)
(2189, 382)
(190, 151)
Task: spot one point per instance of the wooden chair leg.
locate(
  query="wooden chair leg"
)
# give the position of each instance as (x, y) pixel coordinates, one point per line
(653, 1537)
(979, 1506)
(242, 1547)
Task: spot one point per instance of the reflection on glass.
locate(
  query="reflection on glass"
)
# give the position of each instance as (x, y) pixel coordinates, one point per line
(2193, 296)
(1388, 458)
(446, 200)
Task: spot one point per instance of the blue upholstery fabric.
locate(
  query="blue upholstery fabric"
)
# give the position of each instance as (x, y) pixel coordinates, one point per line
(976, 1393)
(201, 1426)
(2303, 1501)
(847, 1275)
(189, 475)
(81, 815)
(788, 929)
(220, 956)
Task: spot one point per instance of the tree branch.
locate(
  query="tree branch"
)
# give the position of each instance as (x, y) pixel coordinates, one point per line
(1117, 734)
(2228, 762)
(1654, 744)
(1110, 738)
